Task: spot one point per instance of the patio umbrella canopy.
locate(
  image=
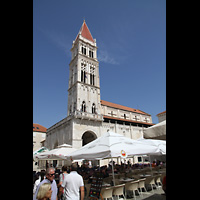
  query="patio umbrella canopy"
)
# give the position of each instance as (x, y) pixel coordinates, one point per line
(40, 150)
(112, 145)
(56, 154)
(157, 131)
(161, 144)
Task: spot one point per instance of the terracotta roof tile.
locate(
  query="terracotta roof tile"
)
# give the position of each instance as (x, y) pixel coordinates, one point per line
(114, 105)
(161, 113)
(39, 128)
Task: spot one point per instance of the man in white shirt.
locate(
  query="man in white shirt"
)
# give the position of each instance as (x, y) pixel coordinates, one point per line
(73, 183)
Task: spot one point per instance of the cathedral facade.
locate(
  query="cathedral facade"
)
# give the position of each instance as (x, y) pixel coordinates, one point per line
(88, 116)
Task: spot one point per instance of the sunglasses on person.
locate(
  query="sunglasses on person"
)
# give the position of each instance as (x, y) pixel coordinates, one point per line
(52, 175)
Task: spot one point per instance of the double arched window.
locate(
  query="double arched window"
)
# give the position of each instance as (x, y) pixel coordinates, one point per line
(83, 107)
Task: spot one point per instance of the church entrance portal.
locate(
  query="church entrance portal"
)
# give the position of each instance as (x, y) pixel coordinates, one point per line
(88, 137)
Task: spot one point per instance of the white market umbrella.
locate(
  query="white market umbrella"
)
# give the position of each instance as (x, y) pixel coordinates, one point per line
(112, 145)
(161, 144)
(59, 153)
(157, 131)
(40, 150)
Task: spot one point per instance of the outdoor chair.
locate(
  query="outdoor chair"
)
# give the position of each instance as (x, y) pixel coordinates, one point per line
(150, 181)
(141, 185)
(136, 177)
(132, 186)
(158, 181)
(107, 192)
(117, 182)
(118, 190)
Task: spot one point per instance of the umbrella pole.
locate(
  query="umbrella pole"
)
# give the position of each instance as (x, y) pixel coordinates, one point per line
(113, 171)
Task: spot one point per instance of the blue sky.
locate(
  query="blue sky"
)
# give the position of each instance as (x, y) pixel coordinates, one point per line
(131, 40)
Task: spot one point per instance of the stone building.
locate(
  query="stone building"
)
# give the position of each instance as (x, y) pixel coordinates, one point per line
(88, 116)
(161, 116)
(39, 135)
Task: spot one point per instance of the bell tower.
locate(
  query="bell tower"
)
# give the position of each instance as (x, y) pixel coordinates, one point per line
(84, 86)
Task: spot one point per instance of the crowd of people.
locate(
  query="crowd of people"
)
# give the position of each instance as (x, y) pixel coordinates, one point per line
(65, 189)
(70, 187)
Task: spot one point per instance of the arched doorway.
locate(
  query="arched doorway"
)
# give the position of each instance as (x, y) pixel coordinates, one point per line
(88, 137)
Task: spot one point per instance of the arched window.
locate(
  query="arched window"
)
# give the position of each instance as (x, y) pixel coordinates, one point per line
(83, 73)
(83, 49)
(83, 107)
(93, 108)
(92, 72)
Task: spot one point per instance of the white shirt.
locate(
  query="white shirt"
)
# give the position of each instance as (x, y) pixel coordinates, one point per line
(72, 183)
(37, 182)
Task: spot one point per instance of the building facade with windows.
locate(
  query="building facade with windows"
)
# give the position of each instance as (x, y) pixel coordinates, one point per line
(88, 116)
(39, 135)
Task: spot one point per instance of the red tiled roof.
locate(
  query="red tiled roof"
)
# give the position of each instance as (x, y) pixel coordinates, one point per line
(114, 105)
(85, 32)
(161, 113)
(39, 128)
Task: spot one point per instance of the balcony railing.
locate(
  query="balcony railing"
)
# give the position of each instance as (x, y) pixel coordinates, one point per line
(86, 115)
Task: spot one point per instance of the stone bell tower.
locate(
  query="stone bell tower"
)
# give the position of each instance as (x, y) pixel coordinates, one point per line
(84, 86)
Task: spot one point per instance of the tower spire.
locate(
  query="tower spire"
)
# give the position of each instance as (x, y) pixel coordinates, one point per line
(85, 32)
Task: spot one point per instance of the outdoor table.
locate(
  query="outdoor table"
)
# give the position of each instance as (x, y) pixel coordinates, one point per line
(126, 180)
(145, 175)
(106, 185)
(157, 173)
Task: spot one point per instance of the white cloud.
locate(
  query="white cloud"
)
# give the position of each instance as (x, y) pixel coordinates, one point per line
(103, 56)
(63, 42)
(59, 39)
